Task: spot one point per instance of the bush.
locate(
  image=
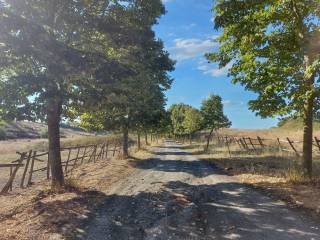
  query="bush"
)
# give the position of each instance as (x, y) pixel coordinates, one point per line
(3, 134)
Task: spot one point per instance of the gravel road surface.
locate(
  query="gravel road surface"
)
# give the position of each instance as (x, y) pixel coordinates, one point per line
(175, 196)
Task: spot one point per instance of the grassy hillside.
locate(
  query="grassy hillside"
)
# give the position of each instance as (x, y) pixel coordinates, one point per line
(294, 124)
(32, 130)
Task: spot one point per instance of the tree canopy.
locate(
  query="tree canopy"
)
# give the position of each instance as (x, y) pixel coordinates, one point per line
(66, 59)
(273, 49)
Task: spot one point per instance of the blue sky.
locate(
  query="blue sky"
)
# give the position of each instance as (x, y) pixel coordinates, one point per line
(187, 31)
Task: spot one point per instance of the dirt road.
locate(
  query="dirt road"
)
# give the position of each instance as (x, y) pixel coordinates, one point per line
(175, 196)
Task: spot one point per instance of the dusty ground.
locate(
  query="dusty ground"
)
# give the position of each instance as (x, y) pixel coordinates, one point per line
(273, 173)
(176, 196)
(36, 213)
(165, 194)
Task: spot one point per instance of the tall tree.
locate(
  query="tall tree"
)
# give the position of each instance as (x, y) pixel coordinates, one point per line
(135, 100)
(192, 121)
(52, 52)
(212, 114)
(273, 47)
(178, 115)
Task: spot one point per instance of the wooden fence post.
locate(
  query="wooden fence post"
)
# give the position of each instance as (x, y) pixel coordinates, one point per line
(292, 146)
(261, 142)
(245, 143)
(77, 158)
(67, 162)
(31, 168)
(250, 141)
(25, 169)
(107, 149)
(84, 155)
(114, 150)
(10, 181)
(227, 142)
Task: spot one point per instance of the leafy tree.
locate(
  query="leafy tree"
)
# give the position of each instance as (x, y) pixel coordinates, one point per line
(135, 101)
(53, 54)
(213, 117)
(192, 121)
(273, 47)
(178, 114)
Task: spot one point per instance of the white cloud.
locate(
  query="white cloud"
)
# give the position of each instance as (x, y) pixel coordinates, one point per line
(231, 103)
(185, 49)
(213, 71)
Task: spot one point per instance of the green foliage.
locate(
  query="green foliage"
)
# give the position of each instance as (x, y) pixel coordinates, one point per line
(185, 119)
(212, 113)
(192, 120)
(273, 50)
(136, 102)
(178, 114)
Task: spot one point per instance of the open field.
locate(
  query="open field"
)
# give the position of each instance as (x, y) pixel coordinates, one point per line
(272, 133)
(9, 148)
(34, 130)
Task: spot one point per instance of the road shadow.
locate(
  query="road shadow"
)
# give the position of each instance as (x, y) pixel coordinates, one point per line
(184, 211)
(193, 167)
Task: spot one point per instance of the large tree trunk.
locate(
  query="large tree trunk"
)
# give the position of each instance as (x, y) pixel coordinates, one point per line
(308, 136)
(146, 138)
(53, 118)
(125, 143)
(208, 140)
(308, 120)
(139, 141)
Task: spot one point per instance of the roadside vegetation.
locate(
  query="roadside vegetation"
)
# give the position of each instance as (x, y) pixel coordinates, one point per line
(97, 62)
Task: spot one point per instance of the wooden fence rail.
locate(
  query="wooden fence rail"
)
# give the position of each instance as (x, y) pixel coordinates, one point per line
(33, 162)
(257, 144)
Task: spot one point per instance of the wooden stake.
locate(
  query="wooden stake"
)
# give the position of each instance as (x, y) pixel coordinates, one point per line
(31, 168)
(13, 175)
(25, 169)
(292, 146)
(67, 162)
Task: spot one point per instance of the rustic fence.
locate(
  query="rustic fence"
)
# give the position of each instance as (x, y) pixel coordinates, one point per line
(35, 165)
(258, 144)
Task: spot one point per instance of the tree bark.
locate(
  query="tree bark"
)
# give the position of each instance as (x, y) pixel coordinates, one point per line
(208, 139)
(146, 138)
(139, 141)
(53, 119)
(308, 136)
(125, 144)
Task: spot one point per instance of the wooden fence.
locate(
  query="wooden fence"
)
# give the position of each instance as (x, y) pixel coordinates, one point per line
(35, 165)
(257, 144)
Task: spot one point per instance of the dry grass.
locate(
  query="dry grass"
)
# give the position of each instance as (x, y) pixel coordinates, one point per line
(275, 173)
(37, 211)
(272, 133)
(9, 148)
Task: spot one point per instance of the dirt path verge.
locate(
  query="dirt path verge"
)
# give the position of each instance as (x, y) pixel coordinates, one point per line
(36, 213)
